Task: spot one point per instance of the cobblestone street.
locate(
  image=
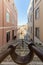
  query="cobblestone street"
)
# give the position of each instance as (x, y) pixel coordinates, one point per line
(21, 51)
(9, 61)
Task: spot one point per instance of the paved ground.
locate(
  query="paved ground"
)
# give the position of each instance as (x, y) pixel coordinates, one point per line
(21, 51)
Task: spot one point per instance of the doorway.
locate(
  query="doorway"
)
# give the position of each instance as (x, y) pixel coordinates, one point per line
(12, 34)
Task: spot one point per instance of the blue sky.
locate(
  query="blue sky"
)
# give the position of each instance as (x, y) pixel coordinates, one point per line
(22, 6)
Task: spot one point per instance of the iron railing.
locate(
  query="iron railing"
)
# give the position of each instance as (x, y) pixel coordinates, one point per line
(22, 60)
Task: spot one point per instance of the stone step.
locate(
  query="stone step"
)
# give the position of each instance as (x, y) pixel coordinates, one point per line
(36, 59)
(9, 61)
(31, 63)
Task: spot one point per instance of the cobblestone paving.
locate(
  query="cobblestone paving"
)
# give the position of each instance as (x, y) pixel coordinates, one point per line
(8, 60)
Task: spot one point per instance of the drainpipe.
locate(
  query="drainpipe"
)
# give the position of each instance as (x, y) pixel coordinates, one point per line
(2, 21)
(33, 21)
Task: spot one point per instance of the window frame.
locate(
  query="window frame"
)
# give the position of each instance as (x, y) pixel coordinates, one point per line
(37, 32)
(7, 16)
(36, 1)
(37, 13)
(7, 36)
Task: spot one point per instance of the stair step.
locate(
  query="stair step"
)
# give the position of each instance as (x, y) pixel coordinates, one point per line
(12, 63)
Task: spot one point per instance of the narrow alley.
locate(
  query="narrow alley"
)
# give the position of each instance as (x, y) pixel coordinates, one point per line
(21, 32)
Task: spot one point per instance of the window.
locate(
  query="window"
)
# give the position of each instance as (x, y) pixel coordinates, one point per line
(37, 13)
(8, 0)
(31, 29)
(35, 1)
(31, 18)
(13, 4)
(37, 31)
(13, 20)
(7, 17)
(28, 19)
(8, 36)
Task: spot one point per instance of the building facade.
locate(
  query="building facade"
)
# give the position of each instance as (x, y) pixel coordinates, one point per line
(30, 18)
(8, 21)
(38, 19)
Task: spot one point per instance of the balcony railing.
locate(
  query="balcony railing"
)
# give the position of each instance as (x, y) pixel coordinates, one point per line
(22, 60)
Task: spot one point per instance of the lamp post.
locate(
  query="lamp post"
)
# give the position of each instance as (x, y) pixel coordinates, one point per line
(33, 21)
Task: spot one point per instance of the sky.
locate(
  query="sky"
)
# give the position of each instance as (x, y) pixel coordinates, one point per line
(22, 6)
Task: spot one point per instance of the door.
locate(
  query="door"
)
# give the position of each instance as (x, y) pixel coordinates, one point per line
(12, 34)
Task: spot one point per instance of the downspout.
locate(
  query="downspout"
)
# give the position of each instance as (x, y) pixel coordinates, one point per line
(2, 22)
(33, 21)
